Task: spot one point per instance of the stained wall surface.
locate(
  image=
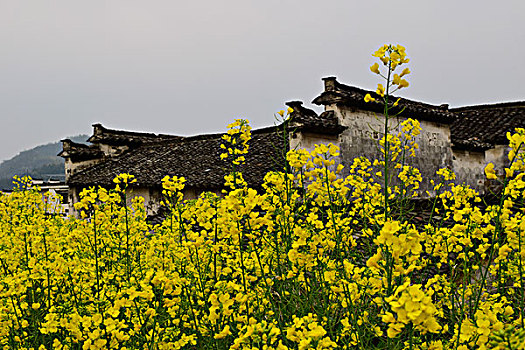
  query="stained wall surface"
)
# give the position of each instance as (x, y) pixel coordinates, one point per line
(364, 130)
(469, 168)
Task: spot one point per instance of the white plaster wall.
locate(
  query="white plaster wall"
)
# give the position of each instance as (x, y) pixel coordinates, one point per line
(153, 197)
(151, 204)
(71, 168)
(365, 129)
(72, 198)
(469, 168)
(498, 156)
(307, 140)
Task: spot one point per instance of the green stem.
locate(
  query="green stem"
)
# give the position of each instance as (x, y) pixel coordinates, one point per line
(95, 249)
(520, 268)
(48, 276)
(386, 147)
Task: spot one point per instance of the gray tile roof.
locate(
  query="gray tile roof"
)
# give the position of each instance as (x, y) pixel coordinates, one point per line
(482, 126)
(196, 158)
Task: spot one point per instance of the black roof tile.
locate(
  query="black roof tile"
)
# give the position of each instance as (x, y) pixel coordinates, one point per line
(195, 158)
(486, 125)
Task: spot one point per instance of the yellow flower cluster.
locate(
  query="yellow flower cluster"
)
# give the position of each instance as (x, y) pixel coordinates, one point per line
(237, 137)
(309, 334)
(322, 256)
(298, 158)
(412, 307)
(309, 262)
(289, 111)
(392, 56)
(517, 150)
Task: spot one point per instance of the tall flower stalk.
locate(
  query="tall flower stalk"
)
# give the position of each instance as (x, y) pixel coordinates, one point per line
(392, 57)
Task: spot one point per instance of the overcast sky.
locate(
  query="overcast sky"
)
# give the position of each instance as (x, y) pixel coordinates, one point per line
(189, 67)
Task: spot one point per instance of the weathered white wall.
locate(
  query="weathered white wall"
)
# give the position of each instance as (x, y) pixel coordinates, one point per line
(498, 156)
(469, 167)
(152, 198)
(364, 130)
(73, 167)
(308, 140)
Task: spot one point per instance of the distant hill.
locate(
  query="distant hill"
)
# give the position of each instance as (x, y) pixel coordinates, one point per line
(40, 162)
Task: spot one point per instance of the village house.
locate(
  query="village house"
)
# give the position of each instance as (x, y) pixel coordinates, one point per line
(150, 157)
(462, 139)
(479, 137)
(54, 194)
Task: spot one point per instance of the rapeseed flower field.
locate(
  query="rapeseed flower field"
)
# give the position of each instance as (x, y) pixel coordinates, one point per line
(312, 260)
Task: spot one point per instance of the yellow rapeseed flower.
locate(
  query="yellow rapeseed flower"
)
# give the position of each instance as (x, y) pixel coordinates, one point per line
(369, 98)
(375, 68)
(380, 90)
(490, 173)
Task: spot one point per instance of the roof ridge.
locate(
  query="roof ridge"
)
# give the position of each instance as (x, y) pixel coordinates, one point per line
(133, 133)
(75, 144)
(200, 137)
(489, 105)
(403, 99)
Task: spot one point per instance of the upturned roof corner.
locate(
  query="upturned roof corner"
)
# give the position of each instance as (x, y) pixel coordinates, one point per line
(341, 94)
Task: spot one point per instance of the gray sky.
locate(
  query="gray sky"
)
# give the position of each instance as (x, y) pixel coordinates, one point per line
(188, 67)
